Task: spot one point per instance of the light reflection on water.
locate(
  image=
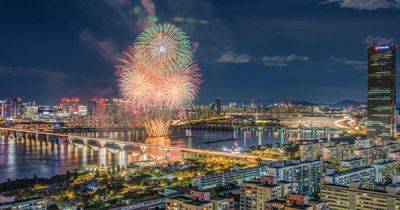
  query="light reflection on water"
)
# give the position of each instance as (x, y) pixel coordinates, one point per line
(21, 158)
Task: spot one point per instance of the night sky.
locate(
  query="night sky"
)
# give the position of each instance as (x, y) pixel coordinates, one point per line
(266, 50)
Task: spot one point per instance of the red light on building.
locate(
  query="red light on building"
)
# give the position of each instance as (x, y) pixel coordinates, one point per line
(70, 104)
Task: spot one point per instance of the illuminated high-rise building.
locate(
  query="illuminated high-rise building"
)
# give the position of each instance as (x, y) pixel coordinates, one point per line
(2, 109)
(96, 106)
(381, 92)
(91, 107)
(218, 106)
(70, 104)
(11, 108)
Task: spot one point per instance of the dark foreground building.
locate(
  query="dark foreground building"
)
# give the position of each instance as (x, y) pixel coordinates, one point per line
(381, 92)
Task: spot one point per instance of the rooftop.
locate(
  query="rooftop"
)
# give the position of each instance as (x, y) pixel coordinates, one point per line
(187, 200)
(261, 183)
(339, 173)
(283, 164)
(368, 190)
(283, 202)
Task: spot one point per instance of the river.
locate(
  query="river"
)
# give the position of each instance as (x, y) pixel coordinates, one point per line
(21, 158)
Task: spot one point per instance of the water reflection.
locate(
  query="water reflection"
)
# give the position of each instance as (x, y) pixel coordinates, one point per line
(22, 157)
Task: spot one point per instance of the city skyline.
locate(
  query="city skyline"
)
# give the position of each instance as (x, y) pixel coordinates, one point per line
(266, 51)
(199, 104)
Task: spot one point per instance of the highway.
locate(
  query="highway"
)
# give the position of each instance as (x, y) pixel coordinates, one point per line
(346, 123)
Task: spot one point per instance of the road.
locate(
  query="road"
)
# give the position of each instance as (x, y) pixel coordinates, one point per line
(346, 122)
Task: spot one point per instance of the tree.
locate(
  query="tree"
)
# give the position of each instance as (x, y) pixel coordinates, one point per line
(53, 207)
(97, 173)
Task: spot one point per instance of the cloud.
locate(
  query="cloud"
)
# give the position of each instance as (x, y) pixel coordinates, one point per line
(50, 75)
(105, 47)
(356, 64)
(189, 20)
(178, 19)
(149, 18)
(366, 4)
(232, 57)
(283, 60)
(195, 46)
(204, 22)
(378, 40)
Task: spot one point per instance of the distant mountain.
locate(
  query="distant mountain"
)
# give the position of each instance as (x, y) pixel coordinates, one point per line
(347, 103)
(304, 103)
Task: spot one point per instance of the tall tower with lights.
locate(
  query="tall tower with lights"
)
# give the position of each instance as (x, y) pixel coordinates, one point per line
(381, 122)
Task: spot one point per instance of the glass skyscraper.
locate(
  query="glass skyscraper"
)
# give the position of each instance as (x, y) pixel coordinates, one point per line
(381, 92)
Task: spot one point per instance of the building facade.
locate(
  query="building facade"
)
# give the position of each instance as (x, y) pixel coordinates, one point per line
(365, 175)
(231, 177)
(381, 92)
(354, 197)
(307, 175)
(199, 200)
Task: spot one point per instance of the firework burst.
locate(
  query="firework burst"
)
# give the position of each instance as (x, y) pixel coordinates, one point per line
(180, 88)
(163, 47)
(158, 76)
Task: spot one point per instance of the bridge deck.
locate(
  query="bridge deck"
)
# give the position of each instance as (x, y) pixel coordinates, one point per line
(137, 144)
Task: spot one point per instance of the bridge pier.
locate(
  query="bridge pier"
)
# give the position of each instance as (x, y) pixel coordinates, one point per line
(167, 154)
(143, 149)
(121, 146)
(102, 144)
(14, 134)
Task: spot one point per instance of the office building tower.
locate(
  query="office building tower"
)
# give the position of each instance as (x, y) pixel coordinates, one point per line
(70, 105)
(11, 108)
(91, 107)
(218, 106)
(381, 92)
(3, 109)
(97, 106)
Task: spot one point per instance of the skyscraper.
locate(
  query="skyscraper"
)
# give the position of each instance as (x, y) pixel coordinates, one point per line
(11, 108)
(218, 104)
(381, 92)
(91, 107)
(70, 104)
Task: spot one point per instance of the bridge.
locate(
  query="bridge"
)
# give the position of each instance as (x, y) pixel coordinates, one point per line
(122, 144)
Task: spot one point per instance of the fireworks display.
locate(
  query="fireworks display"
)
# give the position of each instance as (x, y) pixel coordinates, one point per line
(159, 77)
(163, 47)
